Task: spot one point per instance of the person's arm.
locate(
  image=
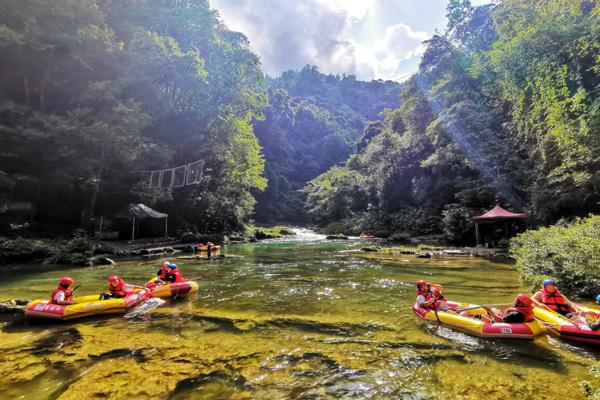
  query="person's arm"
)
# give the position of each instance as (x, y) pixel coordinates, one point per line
(60, 299)
(421, 302)
(571, 304)
(494, 315)
(536, 299)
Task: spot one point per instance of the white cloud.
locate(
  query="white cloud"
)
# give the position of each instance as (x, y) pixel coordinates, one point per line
(339, 36)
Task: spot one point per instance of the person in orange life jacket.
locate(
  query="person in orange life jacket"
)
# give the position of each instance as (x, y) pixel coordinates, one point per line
(168, 273)
(116, 288)
(62, 295)
(521, 311)
(550, 297)
(428, 297)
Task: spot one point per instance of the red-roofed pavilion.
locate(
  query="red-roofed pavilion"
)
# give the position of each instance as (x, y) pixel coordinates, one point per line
(495, 214)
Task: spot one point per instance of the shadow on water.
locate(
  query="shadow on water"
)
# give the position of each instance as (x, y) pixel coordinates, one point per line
(56, 340)
(171, 322)
(528, 352)
(216, 384)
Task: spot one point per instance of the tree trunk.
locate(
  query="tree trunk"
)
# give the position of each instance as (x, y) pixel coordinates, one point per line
(94, 198)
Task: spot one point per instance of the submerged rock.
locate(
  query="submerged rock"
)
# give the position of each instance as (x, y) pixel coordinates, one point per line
(16, 306)
(337, 236)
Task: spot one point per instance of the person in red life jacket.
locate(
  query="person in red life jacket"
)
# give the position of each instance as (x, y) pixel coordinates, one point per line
(550, 297)
(428, 297)
(117, 288)
(521, 311)
(62, 295)
(168, 273)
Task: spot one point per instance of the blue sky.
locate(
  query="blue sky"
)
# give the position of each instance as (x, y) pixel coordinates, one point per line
(372, 39)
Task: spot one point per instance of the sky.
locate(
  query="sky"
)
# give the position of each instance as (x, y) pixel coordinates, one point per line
(372, 39)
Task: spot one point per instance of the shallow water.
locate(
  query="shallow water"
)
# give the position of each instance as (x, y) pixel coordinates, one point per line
(303, 319)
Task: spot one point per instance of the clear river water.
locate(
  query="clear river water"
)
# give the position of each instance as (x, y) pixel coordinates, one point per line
(286, 319)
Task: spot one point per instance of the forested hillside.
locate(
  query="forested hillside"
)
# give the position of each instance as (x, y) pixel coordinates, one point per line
(505, 107)
(312, 123)
(92, 91)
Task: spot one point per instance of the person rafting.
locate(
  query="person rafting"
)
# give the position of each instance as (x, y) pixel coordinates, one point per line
(62, 295)
(117, 288)
(521, 311)
(168, 273)
(429, 297)
(550, 297)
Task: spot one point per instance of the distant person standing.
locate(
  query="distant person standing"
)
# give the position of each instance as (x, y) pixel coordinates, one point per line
(209, 247)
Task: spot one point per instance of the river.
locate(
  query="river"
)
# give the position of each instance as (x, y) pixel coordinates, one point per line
(302, 319)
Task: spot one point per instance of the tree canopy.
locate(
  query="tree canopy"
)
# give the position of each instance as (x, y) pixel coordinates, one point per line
(504, 108)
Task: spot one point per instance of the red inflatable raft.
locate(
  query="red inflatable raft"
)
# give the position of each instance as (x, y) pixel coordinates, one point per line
(576, 330)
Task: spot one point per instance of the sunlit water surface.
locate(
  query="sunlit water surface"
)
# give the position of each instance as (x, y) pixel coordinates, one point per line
(301, 319)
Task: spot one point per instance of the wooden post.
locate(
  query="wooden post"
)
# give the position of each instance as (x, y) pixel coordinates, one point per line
(476, 234)
(166, 227)
(101, 220)
(133, 230)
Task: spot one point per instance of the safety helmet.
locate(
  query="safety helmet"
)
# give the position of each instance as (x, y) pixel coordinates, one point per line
(114, 280)
(173, 266)
(421, 283)
(66, 281)
(523, 300)
(549, 282)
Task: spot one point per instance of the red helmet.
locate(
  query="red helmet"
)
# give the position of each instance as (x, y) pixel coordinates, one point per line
(114, 280)
(65, 281)
(524, 300)
(421, 283)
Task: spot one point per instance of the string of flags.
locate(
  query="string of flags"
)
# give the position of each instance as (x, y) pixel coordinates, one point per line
(185, 175)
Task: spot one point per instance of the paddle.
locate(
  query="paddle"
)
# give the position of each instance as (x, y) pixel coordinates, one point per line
(483, 305)
(436, 315)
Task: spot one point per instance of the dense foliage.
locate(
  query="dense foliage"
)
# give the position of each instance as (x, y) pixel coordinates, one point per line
(312, 123)
(567, 252)
(91, 91)
(505, 108)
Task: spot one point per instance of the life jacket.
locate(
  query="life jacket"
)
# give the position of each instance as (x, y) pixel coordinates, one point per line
(173, 276)
(119, 290)
(555, 301)
(432, 294)
(68, 294)
(526, 311)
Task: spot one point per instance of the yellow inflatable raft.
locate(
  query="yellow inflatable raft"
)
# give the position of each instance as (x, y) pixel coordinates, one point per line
(85, 306)
(474, 326)
(172, 290)
(213, 249)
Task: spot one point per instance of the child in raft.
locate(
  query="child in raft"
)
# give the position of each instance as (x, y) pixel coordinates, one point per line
(429, 297)
(168, 273)
(62, 295)
(117, 288)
